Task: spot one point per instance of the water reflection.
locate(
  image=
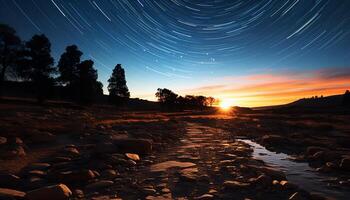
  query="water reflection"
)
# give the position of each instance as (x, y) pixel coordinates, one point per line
(298, 172)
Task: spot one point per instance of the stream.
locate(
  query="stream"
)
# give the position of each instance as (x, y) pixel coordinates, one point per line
(299, 173)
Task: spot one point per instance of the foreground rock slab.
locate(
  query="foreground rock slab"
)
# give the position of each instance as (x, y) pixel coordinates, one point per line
(54, 192)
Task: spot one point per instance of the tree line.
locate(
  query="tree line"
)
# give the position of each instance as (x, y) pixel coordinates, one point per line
(31, 61)
(171, 100)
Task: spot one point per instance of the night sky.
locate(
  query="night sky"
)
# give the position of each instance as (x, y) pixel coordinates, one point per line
(251, 52)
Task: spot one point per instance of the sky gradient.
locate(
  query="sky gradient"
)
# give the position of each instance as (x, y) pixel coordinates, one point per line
(252, 52)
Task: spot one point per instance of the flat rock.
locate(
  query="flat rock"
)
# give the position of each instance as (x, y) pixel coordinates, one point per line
(11, 194)
(205, 197)
(54, 192)
(39, 166)
(99, 185)
(235, 185)
(170, 164)
(133, 156)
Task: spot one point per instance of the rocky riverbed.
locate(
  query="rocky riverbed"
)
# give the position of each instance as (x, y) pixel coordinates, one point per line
(65, 153)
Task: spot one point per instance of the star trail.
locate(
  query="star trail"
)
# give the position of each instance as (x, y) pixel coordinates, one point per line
(189, 44)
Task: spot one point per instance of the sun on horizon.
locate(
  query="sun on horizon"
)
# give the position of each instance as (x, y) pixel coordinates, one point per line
(226, 104)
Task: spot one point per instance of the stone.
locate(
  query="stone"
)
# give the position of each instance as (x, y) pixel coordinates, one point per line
(99, 185)
(345, 164)
(149, 191)
(54, 192)
(81, 176)
(18, 151)
(36, 173)
(39, 166)
(139, 146)
(6, 193)
(133, 156)
(72, 151)
(287, 185)
(3, 140)
(109, 173)
(235, 185)
(78, 193)
(166, 190)
(205, 197)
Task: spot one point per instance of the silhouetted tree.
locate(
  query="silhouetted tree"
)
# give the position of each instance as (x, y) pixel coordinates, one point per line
(38, 65)
(118, 90)
(68, 68)
(346, 98)
(210, 101)
(67, 65)
(88, 86)
(166, 96)
(10, 44)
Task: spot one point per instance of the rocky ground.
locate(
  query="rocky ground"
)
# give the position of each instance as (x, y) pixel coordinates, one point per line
(322, 140)
(68, 152)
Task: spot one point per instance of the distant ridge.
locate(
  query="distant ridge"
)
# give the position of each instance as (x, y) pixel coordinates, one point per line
(314, 103)
(329, 101)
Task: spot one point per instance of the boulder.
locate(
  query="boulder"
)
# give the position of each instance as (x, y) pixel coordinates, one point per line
(6, 193)
(54, 192)
(139, 146)
(99, 185)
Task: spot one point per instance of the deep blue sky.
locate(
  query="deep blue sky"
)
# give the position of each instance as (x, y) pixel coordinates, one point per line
(182, 44)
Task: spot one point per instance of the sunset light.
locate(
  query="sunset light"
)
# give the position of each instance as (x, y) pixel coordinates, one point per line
(226, 104)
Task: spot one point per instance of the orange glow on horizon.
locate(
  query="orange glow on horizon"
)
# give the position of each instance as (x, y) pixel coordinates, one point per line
(273, 89)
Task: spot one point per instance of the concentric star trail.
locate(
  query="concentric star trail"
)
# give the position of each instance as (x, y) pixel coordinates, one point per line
(179, 42)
